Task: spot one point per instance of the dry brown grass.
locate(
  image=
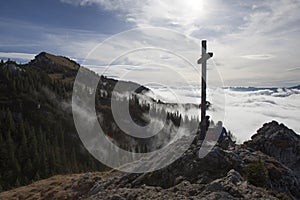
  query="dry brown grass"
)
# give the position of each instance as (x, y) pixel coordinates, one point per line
(60, 77)
(60, 60)
(56, 76)
(56, 187)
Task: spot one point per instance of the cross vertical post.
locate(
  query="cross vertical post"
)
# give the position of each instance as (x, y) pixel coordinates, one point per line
(204, 57)
(203, 91)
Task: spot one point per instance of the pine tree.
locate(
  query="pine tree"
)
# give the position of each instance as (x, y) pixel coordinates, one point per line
(23, 149)
(10, 123)
(32, 143)
(37, 176)
(15, 166)
(28, 169)
(13, 85)
(74, 161)
(52, 162)
(17, 184)
(44, 165)
(10, 145)
(3, 154)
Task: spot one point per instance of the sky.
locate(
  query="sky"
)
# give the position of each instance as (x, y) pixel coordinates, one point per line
(255, 43)
(157, 43)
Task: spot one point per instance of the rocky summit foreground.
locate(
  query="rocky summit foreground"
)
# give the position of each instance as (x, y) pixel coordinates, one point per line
(266, 167)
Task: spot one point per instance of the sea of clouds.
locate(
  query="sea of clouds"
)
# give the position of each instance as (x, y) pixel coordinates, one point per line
(244, 111)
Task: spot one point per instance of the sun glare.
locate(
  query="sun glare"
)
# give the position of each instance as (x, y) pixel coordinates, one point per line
(190, 10)
(196, 5)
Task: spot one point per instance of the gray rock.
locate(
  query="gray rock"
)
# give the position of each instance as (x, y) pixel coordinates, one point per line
(280, 142)
(222, 174)
(233, 187)
(117, 197)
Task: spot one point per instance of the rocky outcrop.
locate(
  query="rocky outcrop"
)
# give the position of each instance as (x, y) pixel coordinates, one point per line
(279, 142)
(258, 169)
(215, 166)
(233, 186)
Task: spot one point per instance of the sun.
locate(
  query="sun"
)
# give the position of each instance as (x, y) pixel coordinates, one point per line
(191, 10)
(196, 5)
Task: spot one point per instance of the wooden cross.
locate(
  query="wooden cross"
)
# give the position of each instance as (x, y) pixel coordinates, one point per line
(205, 56)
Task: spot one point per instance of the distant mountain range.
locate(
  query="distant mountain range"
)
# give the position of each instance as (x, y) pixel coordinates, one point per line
(295, 87)
(251, 89)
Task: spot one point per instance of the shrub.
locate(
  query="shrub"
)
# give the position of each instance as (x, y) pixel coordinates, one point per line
(257, 174)
(283, 196)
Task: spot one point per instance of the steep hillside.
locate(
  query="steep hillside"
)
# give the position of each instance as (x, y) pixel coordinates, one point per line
(37, 134)
(38, 138)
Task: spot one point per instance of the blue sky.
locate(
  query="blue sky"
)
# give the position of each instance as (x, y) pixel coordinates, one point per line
(255, 42)
(33, 26)
(55, 14)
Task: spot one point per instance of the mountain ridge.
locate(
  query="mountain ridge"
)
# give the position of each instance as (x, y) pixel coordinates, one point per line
(36, 117)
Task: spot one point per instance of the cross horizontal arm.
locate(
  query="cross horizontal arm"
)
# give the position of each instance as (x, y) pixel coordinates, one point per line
(205, 58)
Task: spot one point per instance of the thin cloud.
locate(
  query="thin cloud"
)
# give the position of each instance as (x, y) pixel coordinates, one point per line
(258, 57)
(75, 43)
(18, 56)
(256, 42)
(257, 38)
(293, 69)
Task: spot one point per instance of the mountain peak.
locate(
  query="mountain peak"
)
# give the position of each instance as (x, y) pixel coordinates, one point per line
(274, 130)
(48, 58)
